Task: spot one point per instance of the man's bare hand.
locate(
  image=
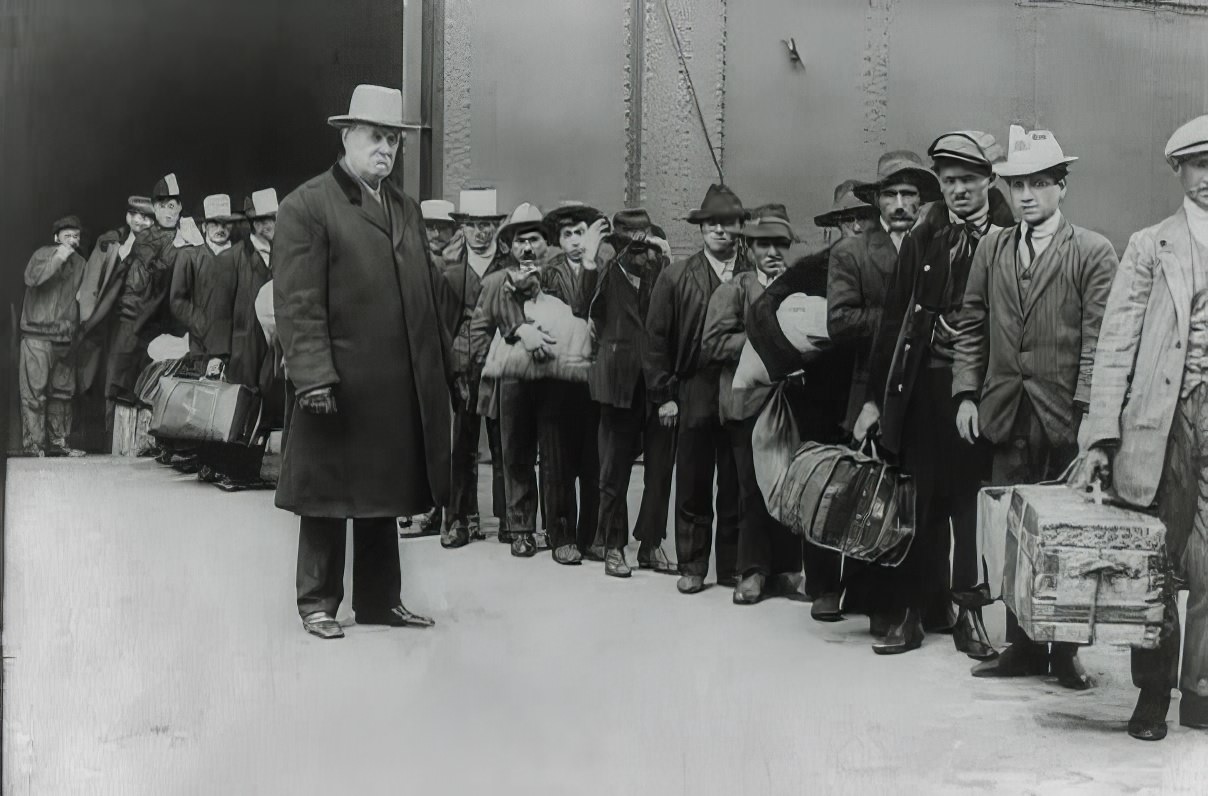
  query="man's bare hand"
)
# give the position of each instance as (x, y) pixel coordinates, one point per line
(592, 240)
(537, 342)
(669, 414)
(321, 401)
(967, 424)
(870, 415)
(1094, 465)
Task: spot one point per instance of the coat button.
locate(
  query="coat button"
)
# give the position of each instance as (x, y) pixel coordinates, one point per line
(1168, 380)
(907, 348)
(1179, 344)
(918, 307)
(900, 387)
(926, 268)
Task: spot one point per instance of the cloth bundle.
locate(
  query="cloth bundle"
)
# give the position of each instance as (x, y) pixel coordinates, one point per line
(802, 320)
(571, 349)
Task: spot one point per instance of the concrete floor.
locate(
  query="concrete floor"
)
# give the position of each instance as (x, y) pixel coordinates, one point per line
(152, 647)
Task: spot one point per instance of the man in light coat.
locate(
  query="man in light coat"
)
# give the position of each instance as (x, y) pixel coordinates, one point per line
(369, 358)
(1024, 353)
(1147, 429)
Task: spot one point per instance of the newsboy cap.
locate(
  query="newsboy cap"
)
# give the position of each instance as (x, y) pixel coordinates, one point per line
(969, 146)
(1190, 139)
(66, 222)
(141, 205)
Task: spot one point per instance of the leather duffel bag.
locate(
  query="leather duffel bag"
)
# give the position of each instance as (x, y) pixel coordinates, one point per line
(205, 411)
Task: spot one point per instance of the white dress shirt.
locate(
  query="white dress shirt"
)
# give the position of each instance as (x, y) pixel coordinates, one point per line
(263, 247)
(1042, 236)
(480, 262)
(724, 270)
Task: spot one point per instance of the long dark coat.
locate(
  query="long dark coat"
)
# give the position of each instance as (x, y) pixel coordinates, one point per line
(360, 307)
(200, 299)
(244, 273)
(1041, 344)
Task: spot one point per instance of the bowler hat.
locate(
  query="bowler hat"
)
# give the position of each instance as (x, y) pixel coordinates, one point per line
(846, 204)
(969, 146)
(527, 217)
(436, 211)
(720, 204)
(261, 204)
(900, 165)
(376, 105)
(477, 203)
(217, 207)
(570, 213)
(632, 227)
(166, 188)
(66, 222)
(1030, 152)
(769, 221)
(141, 205)
(1190, 139)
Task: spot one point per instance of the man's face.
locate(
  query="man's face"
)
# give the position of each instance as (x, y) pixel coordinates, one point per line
(529, 247)
(265, 227)
(138, 222)
(69, 236)
(899, 205)
(721, 236)
(1036, 196)
(850, 226)
(965, 189)
(371, 150)
(480, 234)
(218, 232)
(439, 234)
(570, 238)
(167, 212)
(1193, 173)
(769, 255)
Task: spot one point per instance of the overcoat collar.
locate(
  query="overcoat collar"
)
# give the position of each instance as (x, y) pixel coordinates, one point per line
(699, 267)
(352, 189)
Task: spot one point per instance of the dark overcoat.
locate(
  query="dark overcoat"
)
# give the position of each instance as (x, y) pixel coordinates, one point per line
(361, 308)
(200, 299)
(618, 312)
(1040, 344)
(244, 273)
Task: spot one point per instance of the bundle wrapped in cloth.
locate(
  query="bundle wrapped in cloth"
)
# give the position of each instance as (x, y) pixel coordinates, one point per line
(801, 320)
(571, 349)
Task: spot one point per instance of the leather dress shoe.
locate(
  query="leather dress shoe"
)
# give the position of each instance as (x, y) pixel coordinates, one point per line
(568, 554)
(615, 563)
(428, 525)
(455, 535)
(654, 557)
(594, 553)
(322, 624)
(690, 584)
(1022, 659)
(1069, 670)
(1148, 722)
(398, 616)
(474, 526)
(970, 637)
(750, 589)
(905, 636)
(523, 545)
(1193, 711)
(826, 608)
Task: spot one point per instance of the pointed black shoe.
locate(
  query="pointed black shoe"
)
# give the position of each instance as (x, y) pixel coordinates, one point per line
(905, 636)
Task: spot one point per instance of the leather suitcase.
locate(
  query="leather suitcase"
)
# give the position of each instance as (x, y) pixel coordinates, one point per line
(205, 411)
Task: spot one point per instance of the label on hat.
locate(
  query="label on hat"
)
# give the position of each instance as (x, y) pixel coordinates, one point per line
(173, 187)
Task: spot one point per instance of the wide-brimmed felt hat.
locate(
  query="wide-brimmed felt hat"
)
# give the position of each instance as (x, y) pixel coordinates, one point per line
(167, 187)
(770, 221)
(377, 105)
(477, 203)
(436, 210)
(719, 203)
(1190, 139)
(571, 212)
(66, 222)
(631, 227)
(900, 165)
(1030, 152)
(846, 203)
(217, 207)
(974, 147)
(141, 205)
(525, 218)
(261, 204)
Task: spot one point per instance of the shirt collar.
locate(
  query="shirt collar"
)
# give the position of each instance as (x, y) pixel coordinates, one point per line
(1045, 229)
(896, 237)
(260, 244)
(218, 249)
(1197, 221)
(720, 267)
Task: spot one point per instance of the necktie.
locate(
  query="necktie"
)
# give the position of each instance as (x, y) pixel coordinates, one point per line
(1027, 240)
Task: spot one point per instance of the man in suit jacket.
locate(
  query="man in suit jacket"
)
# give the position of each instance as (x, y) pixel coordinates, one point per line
(685, 389)
(1147, 429)
(1025, 349)
(629, 423)
(910, 391)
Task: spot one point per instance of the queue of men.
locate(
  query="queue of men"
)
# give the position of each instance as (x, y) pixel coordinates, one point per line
(975, 348)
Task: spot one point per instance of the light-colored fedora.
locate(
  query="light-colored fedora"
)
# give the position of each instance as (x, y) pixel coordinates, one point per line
(436, 210)
(374, 105)
(846, 204)
(480, 203)
(1030, 152)
(261, 204)
(217, 207)
(526, 217)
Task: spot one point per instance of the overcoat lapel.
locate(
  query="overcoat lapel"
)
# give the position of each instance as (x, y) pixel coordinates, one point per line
(1174, 255)
(1048, 264)
(697, 266)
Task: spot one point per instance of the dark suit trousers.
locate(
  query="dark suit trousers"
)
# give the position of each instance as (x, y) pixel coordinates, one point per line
(127, 358)
(463, 477)
(947, 472)
(701, 452)
(764, 545)
(581, 436)
(376, 575)
(624, 433)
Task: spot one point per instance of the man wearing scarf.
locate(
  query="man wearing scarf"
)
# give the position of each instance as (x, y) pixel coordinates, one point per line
(910, 388)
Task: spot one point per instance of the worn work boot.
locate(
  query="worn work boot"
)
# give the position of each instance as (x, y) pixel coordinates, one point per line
(474, 526)
(322, 624)
(690, 584)
(615, 563)
(523, 545)
(826, 608)
(594, 553)
(1148, 722)
(455, 535)
(654, 557)
(568, 554)
(750, 589)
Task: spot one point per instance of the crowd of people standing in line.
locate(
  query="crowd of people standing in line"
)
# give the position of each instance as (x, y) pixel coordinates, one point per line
(980, 336)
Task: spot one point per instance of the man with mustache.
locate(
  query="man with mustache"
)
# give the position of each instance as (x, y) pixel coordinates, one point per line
(439, 226)
(49, 318)
(1025, 349)
(365, 322)
(526, 417)
(197, 282)
(858, 278)
(1147, 429)
(765, 548)
(910, 392)
(477, 258)
(685, 389)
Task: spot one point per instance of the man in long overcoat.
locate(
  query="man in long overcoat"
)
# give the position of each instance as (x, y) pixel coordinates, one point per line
(196, 296)
(365, 322)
